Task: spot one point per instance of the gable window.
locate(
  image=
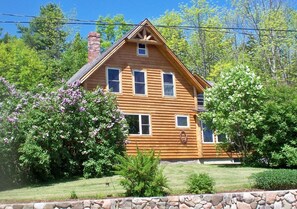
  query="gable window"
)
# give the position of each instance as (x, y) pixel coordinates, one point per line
(168, 84)
(139, 82)
(113, 80)
(142, 50)
(138, 124)
(182, 121)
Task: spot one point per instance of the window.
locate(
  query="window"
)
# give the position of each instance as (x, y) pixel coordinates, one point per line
(221, 138)
(168, 84)
(139, 82)
(113, 80)
(142, 50)
(138, 124)
(200, 98)
(208, 135)
(182, 121)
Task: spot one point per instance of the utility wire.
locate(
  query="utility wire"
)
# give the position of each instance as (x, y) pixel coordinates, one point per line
(72, 21)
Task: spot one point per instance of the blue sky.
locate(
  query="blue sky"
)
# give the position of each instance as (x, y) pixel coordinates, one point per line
(133, 10)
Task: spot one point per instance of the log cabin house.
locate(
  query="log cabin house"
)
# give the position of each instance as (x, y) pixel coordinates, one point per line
(159, 96)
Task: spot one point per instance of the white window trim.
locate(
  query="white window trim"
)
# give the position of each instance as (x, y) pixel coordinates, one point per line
(146, 50)
(140, 124)
(188, 121)
(174, 87)
(145, 82)
(120, 78)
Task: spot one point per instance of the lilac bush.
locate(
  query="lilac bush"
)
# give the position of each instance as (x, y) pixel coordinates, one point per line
(65, 133)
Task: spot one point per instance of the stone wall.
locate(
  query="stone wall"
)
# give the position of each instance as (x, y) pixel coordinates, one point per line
(246, 200)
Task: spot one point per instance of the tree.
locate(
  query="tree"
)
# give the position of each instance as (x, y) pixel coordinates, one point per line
(206, 46)
(21, 65)
(174, 36)
(275, 49)
(234, 107)
(75, 56)
(46, 32)
(111, 29)
(277, 144)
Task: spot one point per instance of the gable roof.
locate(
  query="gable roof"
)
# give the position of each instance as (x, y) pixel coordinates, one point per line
(159, 41)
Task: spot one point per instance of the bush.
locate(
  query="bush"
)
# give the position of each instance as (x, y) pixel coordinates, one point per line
(275, 179)
(142, 176)
(200, 183)
(64, 133)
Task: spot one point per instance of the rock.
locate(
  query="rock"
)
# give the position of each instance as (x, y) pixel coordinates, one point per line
(183, 206)
(207, 206)
(218, 206)
(270, 197)
(278, 205)
(106, 204)
(243, 205)
(207, 197)
(28, 206)
(198, 206)
(87, 204)
(286, 205)
(290, 197)
(190, 203)
(216, 199)
(253, 205)
(173, 198)
(248, 198)
(233, 206)
(196, 199)
(125, 204)
(38, 205)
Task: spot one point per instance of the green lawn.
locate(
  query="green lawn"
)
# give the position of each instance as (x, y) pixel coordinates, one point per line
(227, 178)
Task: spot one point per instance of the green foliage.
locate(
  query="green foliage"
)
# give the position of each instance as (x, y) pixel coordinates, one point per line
(200, 183)
(275, 179)
(142, 177)
(234, 107)
(21, 65)
(64, 133)
(111, 29)
(175, 37)
(74, 57)
(73, 195)
(277, 144)
(46, 32)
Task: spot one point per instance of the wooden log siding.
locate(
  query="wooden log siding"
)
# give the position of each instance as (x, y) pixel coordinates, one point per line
(165, 137)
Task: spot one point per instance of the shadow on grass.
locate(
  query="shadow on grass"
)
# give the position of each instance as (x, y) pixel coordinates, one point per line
(6, 185)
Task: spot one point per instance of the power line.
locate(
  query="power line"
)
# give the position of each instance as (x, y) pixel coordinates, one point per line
(72, 21)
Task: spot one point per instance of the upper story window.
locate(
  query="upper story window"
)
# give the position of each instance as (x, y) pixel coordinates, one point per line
(182, 121)
(138, 124)
(168, 84)
(139, 82)
(200, 98)
(142, 50)
(113, 80)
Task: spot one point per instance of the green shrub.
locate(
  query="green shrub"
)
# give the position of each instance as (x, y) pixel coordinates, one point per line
(275, 179)
(73, 195)
(200, 183)
(142, 175)
(64, 133)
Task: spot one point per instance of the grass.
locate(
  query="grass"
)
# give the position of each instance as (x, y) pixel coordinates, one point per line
(227, 178)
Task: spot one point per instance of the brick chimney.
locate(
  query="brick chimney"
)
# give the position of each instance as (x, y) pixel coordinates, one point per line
(93, 45)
